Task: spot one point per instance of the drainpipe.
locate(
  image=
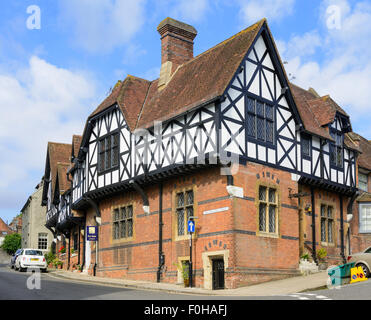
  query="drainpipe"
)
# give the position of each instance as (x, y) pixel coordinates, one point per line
(161, 256)
(84, 246)
(342, 229)
(350, 214)
(69, 251)
(314, 256)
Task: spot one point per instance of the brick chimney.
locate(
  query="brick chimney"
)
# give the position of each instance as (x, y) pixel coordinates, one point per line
(176, 47)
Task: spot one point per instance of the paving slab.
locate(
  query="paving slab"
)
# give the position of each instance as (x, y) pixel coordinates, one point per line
(271, 288)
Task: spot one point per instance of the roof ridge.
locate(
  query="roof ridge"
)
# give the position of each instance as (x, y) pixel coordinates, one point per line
(250, 28)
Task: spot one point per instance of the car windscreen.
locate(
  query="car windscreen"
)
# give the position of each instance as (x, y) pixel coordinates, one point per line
(33, 253)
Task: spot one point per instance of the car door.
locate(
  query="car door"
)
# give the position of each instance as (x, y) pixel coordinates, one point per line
(17, 259)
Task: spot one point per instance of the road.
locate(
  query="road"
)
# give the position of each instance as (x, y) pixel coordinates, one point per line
(16, 286)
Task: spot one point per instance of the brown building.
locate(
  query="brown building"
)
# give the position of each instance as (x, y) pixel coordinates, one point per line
(360, 233)
(263, 169)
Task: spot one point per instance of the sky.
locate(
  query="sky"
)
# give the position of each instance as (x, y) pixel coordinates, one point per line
(59, 59)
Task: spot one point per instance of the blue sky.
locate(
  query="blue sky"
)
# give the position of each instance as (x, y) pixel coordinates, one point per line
(52, 78)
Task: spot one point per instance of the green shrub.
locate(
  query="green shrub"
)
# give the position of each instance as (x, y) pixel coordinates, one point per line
(49, 257)
(12, 242)
(321, 254)
(305, 256)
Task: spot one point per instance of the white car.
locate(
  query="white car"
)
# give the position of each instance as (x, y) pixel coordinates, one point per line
(31, 258)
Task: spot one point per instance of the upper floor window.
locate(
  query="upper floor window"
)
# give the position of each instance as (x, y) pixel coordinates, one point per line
(305, 144)
(327, 224)
(260, 121)
(108, 152)
(336, 148)
(184, 210)
(123, 222)
(363, 181)
(268, 203)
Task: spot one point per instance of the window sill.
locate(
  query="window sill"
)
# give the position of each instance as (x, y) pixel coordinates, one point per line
(267, 235)
(122, 240)
(327, 244)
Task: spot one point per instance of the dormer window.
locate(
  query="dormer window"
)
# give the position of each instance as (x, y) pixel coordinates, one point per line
(336, 148)
(108, 152)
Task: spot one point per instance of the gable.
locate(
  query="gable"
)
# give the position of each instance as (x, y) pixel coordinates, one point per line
(259, 92)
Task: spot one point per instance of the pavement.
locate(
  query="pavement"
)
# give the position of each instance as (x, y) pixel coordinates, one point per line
(271, 288)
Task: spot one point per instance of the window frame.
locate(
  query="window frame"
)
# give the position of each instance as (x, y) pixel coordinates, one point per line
(359, 181)
(123, 219)
(335, 147)
(108, 150)
(184, 207)
(268, 204)
(304, 136)
(361, 228)
(45, 238)
(265, 118)
(326, 218)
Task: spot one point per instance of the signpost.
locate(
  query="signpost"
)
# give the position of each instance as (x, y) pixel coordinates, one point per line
(191, 230)
(92, 233)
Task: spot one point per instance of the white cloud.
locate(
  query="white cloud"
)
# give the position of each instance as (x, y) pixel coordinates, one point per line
(341, 65)
(252, 11)
(100, 26)
(190, 10)
(39, 104)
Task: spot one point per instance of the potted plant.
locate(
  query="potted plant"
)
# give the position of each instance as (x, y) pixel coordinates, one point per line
(62, 249)
(321, 255)
(184, 269)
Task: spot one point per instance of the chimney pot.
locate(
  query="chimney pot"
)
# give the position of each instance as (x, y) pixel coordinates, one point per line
(176, 46)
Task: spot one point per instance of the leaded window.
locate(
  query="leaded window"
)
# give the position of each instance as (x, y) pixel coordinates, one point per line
(363, 181)
(184, 210)
(268, 203)
(122, 222)
(327, 224)
(260, 120)
(108, 152)
(336, 148)
(305, 145)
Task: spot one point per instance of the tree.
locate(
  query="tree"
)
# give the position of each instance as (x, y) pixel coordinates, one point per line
(12, 242)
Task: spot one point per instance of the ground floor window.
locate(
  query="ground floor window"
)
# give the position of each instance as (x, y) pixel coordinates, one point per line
(43, 241)
(365, 218)
(327, 223)
(123, 222)
(268, 210)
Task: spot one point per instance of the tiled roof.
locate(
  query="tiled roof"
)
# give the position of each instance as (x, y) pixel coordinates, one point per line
(62, 169)
(4, 227)
(364, 159)
(58, 153)
(130, 95)
(76, 142)
(199, 80)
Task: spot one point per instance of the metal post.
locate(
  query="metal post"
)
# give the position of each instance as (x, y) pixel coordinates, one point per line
(190, 261)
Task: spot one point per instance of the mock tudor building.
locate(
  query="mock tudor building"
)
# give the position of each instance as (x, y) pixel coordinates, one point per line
(263, 168)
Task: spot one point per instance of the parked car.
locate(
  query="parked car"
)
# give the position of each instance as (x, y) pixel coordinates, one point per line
(14, 258)
(31, 258)
(362, 259)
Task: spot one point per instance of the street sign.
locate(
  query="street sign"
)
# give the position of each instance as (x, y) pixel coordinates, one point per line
(191, 226)
(91, 233)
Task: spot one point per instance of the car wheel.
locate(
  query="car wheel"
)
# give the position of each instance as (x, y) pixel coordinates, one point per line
(365, 269)
(43, 270)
